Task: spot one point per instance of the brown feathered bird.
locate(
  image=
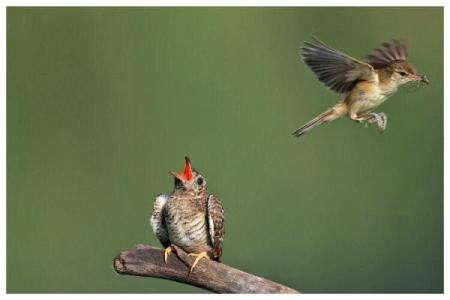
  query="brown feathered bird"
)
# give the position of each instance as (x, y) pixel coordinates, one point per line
(365, 85)
(190, 217)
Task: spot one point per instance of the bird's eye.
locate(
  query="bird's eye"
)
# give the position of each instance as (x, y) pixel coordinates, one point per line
(402, 73)
(200, 180)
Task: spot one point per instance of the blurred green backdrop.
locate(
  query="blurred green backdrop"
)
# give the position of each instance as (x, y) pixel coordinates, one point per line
(103, 102)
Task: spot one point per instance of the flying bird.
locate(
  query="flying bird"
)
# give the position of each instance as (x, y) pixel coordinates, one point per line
(189, 218)
(365, 85)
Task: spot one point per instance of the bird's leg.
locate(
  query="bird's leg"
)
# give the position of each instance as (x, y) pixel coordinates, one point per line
(380, 119)
(167, 252)
(197, 259)
(370, 118)
(359, 118)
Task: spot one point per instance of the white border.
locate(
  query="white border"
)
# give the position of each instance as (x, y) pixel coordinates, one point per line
(213, 3)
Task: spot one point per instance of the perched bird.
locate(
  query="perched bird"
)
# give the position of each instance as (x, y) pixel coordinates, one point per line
(365, 85)
(190, 217)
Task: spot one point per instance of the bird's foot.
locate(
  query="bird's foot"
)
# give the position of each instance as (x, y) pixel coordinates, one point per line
(167, 252)
(380, 119)
(198, 256)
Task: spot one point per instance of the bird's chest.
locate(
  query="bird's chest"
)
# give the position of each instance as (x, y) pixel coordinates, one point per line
(365, 98)
(186, 223)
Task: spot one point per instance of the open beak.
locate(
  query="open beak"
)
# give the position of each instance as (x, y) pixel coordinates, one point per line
(186, 175)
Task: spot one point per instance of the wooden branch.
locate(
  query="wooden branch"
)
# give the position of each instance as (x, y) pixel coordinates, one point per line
(213, 276)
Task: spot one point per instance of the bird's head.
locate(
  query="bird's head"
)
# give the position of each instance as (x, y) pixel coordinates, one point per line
(189, 179)
(392, 59)
(402, 72)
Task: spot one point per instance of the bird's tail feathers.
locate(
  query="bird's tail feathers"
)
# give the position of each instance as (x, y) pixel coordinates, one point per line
(337, 111)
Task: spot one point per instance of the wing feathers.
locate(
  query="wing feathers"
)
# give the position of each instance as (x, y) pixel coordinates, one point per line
(157, 220)
(337, 70)
(389, 52)
(216, 225)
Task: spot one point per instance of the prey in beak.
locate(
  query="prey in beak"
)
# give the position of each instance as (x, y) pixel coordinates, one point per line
(424, 79)
(420, 78)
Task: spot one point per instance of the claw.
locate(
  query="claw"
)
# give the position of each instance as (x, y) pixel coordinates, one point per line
(380, 119)
(167, 252)
(197, 259)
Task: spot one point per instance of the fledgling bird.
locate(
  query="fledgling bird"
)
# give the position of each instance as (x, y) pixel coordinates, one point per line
(190, 217)
(365, 85)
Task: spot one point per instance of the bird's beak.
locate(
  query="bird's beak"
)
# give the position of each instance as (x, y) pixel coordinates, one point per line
(420, 78)
(424, 79)
(187, 172)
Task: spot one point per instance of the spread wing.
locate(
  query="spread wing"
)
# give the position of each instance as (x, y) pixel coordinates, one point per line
(389, 52)
(337, 70)
(215, 215)
(157, 220)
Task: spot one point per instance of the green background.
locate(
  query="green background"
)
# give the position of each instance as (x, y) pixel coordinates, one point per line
(103, 102)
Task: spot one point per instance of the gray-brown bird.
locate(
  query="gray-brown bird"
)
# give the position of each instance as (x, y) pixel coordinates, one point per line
(365, 85)
(190, 217)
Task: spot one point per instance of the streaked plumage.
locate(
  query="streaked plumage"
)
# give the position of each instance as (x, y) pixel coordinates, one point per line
(365, 85)
(157, 221)
(190, 217)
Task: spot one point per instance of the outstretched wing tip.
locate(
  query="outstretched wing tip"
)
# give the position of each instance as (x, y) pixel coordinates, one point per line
(394, 50)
